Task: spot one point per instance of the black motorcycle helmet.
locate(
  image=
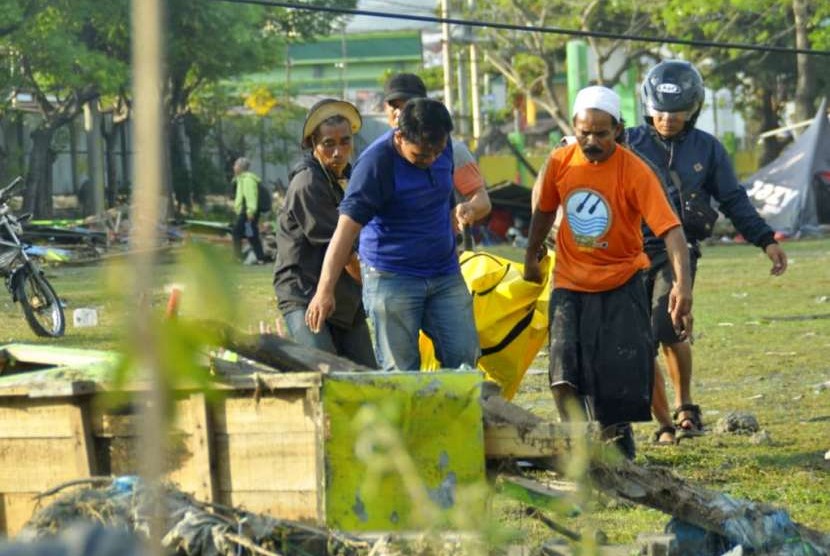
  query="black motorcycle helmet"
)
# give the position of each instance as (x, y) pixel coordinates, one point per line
(673, 86)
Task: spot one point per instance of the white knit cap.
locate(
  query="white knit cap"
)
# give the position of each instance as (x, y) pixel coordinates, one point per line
(599, 98)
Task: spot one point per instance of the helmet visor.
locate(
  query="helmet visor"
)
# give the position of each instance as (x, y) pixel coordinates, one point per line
(684, 115)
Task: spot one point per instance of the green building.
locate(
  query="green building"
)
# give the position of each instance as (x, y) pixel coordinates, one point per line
(350, 66)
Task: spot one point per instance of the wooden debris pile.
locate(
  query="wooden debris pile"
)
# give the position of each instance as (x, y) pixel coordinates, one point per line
(191, 528)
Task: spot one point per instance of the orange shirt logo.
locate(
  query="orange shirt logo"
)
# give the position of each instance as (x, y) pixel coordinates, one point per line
(589, 218)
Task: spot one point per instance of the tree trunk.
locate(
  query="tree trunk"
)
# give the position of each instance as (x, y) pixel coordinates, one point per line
(771, 147)
(179, 167)
(757, 526)
(110, 182)
(277, 352)
(805, 85)
(196, 132)
(754, 525)
(126, 182)
(167, 185)
(37, 198)
(223, 151)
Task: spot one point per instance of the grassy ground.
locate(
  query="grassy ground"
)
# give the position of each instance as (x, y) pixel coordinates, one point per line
(762, 347)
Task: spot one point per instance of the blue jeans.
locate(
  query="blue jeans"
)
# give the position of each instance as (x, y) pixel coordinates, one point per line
(353, 343)
(400, 306)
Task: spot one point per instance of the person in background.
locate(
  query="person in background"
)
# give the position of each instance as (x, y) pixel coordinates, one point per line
(695, 168)
(305, 225)
(467, 178)
(245, 207)
(601, 346)
(399, 201)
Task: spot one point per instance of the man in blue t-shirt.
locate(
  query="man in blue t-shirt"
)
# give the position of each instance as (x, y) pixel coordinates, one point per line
(399, 201)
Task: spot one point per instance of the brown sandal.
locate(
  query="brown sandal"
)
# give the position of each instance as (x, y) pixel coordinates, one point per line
(691, 424)
(666, 429)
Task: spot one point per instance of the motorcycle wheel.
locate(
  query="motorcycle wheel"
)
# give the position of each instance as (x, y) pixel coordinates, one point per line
(40, 303)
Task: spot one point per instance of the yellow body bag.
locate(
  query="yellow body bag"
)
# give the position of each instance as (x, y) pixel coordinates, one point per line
(511, 317)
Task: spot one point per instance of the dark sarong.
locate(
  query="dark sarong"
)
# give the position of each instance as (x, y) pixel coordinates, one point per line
(602, 345)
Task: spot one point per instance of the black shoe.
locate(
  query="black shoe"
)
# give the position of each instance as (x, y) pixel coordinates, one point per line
(625, 441)
(623, 437)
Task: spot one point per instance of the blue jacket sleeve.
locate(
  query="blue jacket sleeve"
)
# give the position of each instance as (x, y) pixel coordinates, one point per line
(733, 201)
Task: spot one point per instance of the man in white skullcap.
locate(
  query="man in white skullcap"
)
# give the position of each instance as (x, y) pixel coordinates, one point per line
(601, 347)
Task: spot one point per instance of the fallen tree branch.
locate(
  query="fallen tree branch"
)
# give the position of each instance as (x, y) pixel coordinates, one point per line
(246, 543)
(57, 488)
(753, 525)
(278, 352)
(552, 525)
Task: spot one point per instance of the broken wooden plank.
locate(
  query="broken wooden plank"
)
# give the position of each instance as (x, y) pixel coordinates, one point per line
(512, 432)
(508, 441)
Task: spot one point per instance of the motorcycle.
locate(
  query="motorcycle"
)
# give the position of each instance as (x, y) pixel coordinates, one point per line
(24, 278)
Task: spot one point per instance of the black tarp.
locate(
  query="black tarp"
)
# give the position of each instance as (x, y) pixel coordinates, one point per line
(792, 192)
(513, 197)
(509, 218)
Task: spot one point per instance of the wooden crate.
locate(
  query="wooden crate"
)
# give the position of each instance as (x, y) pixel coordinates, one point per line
(262, 446)
(258, 447)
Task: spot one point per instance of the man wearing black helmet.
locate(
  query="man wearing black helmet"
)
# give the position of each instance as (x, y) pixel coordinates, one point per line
(695, 168)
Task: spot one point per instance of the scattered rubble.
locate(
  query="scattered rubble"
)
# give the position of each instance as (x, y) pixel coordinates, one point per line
(737, 422)
(760, 438)
(89, 240)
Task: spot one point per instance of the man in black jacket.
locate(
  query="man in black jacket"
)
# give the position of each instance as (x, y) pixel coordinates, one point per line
(695, 168)
(304, 229)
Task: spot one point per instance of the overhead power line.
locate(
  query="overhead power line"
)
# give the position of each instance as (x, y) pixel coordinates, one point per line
(533, 28)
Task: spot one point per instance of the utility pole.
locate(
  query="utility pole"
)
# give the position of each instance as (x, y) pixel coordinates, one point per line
(343, 56)
(463, 113)
(474, 85)
(445, 52)
(148, 56)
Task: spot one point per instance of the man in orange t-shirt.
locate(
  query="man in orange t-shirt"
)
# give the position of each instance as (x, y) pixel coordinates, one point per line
(601, 349)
